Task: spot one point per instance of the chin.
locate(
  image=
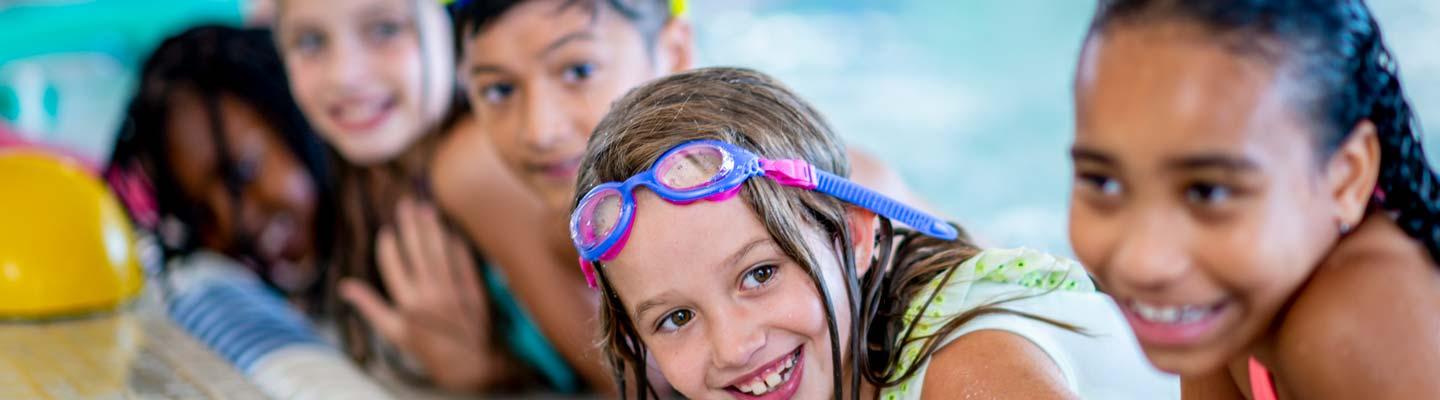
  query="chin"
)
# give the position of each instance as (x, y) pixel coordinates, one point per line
(558, 200)
(1187, 363)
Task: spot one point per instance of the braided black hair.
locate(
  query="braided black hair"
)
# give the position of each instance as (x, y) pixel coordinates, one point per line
(211, 61)
(1337, 47)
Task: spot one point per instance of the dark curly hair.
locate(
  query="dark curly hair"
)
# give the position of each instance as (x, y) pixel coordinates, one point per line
(212, 61)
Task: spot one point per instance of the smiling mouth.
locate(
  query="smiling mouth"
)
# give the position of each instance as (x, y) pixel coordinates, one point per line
(362, 115)
(771, 379)
(1173, 325)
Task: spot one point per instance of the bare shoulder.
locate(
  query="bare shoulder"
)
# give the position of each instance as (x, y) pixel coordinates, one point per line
(1365, 324)
(473, 186)
(988, 363)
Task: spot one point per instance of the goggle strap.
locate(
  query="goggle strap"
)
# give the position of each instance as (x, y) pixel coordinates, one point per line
(853, 193)
(794, 173)
(589, 269)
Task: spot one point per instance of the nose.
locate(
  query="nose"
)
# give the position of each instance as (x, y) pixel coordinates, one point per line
(1151, 252)
(345, 65)
(544, 119)
(735, 339)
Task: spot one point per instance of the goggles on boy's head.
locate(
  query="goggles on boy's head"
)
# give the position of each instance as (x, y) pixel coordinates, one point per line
(713, 170)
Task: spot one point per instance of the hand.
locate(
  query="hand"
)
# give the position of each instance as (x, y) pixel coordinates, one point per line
(439, 315)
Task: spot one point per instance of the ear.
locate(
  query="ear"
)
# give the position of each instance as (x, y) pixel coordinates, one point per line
(1352, 172)
(674, 46)
(862, 224)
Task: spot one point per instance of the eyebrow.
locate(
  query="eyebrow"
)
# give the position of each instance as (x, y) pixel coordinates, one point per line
(1080, 153)
(733, 259)
(1213, 161)
(552, 47)
(1225, 162)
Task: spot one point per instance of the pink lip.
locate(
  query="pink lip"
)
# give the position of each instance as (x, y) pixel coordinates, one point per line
(366, 125)
(1158, 334)
(785, 391)
(560, 170)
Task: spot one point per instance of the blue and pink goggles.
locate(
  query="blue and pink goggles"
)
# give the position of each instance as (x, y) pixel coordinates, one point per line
(713, 170)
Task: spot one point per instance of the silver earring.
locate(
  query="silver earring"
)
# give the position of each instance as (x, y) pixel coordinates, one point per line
(1344, 228)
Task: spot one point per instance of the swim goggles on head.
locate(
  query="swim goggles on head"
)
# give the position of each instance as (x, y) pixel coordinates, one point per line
(713, 170)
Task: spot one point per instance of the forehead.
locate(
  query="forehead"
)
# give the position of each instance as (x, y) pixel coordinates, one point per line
(528, 28)
(675, 247)
(190, 135)
(325, 13)
(1166, 85)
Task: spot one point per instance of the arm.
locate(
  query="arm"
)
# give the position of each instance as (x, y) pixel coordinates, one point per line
(993, 364)
(504, 220)
(1365, 324)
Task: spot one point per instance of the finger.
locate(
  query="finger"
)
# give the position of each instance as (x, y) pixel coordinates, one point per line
(434, 241)
(468, 284)
(412, 243)
(374, 310)
(469, 288)
(394, 271)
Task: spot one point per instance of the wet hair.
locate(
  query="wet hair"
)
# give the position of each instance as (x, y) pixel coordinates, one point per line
(647, 16)
(211, 62)
(753, 111)
(1336, 50)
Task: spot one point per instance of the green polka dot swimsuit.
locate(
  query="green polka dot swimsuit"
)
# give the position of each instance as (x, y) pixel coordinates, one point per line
(1059, 289)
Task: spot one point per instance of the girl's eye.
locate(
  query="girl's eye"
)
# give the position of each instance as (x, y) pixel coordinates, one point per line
(308, 42)
(1102, 184)
(675, 320)
(1208, 194)
(246, 170)
(758, 276)
(383, 30)
(496, 93)
(579, 72)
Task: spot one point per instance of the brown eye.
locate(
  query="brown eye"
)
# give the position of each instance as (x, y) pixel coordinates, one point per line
(675, 320)
(758, 276)
(1102, 184)
(1208, 194)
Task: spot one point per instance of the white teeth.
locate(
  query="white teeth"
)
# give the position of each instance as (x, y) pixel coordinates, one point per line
(773, 379)
(1171, 314)
(357, 113)
(759, 388)
(764, 384)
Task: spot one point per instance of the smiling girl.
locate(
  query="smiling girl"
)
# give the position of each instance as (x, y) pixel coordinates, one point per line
(377, 80)
(730, 248)
(1250, 186)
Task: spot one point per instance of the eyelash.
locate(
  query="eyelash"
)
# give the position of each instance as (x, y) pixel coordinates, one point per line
(751, 274)
(668, 318)
(1209, 194)
(1102, 184)
(497, 92)
(668, 322)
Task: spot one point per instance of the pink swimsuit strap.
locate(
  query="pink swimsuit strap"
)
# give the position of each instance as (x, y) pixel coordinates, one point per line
(1261, 385)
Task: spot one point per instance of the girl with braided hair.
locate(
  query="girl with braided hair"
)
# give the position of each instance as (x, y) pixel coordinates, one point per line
(1250, 186)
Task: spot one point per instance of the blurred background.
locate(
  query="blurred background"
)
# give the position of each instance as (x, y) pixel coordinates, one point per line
(970, 100)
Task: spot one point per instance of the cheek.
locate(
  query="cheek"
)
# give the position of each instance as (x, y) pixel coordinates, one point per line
(682, 369)
(1272, 249)
(801, 311)
(294, 191)
(305, 85)
(1089, 236)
